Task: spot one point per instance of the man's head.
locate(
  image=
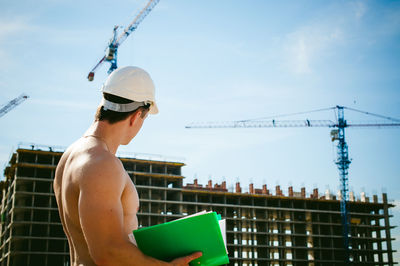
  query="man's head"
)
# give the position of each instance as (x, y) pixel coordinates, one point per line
(126, 90)
(104, 114)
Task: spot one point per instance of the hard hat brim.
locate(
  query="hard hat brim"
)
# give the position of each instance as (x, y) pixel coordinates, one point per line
(153, 109)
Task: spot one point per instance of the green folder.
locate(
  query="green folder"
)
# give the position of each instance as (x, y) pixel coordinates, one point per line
(183, 237)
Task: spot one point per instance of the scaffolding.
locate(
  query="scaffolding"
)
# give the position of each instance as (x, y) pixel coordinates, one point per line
(31, 230)
(263, 228)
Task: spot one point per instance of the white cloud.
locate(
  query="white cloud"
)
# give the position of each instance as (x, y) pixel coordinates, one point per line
(10, 29)
(359, 9)
(300, 52)
(7, 28)
(308, 44)
(336, 26)
(14, 27)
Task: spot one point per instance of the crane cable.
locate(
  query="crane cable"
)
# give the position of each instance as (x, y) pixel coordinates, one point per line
(377, 115)
(289, 114)
(320, 110)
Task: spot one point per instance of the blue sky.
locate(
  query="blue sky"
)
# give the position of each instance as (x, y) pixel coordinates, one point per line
(217, 61)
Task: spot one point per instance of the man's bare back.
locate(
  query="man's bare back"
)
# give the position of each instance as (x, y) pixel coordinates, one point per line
(87, 155)
(98, 203)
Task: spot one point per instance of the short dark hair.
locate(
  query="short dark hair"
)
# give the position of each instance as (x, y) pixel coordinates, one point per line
(114, 117)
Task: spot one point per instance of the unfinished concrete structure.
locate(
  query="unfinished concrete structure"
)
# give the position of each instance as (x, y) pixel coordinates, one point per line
(263, 228)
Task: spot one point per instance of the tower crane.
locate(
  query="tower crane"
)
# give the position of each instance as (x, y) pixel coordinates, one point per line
(337, 134)
(116, 41)
(12, 104)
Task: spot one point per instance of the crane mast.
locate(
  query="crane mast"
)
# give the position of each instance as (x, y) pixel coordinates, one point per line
(116, 41)
(342, 160)
(343, 163)
(12, 104)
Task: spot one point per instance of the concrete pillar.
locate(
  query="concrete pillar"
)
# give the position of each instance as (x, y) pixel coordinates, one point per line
(290, 191)
(328, 194)
(209, 184)
(278, 191)
(387, 229)
(264, 189)
(315, 193)
(363, 198)
(339, 195)
(251, 188)
(303, 192)
(375, 198)
(238, 188)
(351, 196)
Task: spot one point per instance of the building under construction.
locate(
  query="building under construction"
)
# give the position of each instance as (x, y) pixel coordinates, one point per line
(263, 227)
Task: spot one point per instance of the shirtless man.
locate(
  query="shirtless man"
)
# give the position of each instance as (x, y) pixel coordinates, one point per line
(96, 198)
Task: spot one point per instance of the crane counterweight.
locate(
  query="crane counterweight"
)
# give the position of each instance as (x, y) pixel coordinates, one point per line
(91, 76)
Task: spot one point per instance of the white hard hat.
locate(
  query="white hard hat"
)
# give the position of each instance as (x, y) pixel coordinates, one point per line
(132, 83)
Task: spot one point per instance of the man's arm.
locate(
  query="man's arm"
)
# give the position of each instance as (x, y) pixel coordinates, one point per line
(101, 218)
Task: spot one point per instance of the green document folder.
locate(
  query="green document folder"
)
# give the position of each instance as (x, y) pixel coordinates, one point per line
(183, 237)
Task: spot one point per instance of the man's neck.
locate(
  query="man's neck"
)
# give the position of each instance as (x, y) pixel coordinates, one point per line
(110, 134)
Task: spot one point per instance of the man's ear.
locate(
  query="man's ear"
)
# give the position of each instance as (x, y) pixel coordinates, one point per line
(136, 115)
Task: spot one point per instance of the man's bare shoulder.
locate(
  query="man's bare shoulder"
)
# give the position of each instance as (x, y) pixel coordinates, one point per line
(98, 165)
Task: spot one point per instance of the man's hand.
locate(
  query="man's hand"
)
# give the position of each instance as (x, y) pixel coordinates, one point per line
(185, 260)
